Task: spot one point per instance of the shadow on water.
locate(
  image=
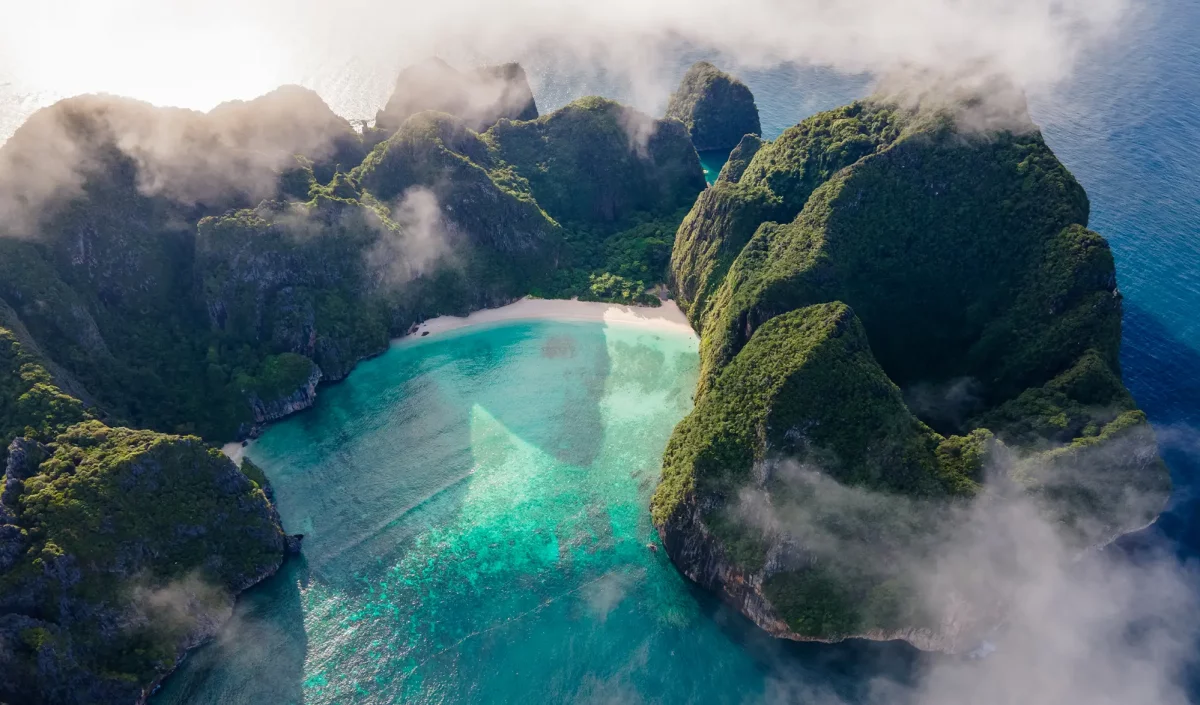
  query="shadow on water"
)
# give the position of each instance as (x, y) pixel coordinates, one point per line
(259, 655)
(1163, 374)
(363, 492)
(370, 490)
(365, 487)
(843, 672)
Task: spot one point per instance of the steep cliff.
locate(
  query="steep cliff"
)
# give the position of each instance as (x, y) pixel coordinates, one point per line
(203, 273)
(479, 97)
(124, 549)
(597, 161)
(970, 271)
(101, 197)
(717, 109)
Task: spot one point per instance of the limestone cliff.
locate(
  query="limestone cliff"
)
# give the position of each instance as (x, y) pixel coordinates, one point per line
(479, 97)
(199, 274)
(130, 548)
(830, 447)
(717, 109)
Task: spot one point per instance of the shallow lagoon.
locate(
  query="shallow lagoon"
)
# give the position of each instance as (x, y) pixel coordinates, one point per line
(475, 511)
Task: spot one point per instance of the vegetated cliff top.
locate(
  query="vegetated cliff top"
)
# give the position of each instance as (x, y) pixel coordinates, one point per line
(478, 97)
(717, 108)
(991, 313)
(119, 550)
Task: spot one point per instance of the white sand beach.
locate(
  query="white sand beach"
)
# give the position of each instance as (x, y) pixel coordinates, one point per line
(665, 317)
(234, 451)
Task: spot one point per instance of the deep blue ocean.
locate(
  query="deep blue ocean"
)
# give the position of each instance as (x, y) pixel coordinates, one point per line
(475, 503)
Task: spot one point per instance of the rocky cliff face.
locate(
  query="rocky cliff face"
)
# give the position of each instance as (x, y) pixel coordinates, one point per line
(700, 556)
(131, 547)
(177, 252)
(620, 161)
(803, 487)
(717, 108)
(479, 98)
(281, 406)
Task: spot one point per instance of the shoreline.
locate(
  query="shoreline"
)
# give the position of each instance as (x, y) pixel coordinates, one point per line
(667, 317)
(664, 317)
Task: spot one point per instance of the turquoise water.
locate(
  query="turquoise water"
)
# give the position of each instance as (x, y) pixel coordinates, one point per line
(712, 162)
(475, 504)
(474, 508)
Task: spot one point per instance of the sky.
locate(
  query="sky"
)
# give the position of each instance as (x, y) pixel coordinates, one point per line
(194, 54)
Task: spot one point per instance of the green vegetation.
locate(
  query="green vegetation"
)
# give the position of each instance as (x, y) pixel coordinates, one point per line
(739, 158)
(202, 296)
(599, 263)
(965, 257)
(597, 162)
(131, 544)
(479, 98)
(717, 109)
(31, 405)
(176, 316)
(773, 187)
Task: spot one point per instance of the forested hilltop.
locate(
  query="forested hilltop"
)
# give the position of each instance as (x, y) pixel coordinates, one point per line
(172, 279)
(898, 313)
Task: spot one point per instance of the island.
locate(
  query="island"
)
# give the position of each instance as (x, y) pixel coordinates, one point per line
(890, 305)
(717, 108)
(898, 313)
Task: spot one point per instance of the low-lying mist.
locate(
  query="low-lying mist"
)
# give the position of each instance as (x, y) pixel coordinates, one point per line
(1036, 617)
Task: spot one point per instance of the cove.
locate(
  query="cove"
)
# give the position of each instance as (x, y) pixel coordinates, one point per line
(475, 511)
(711, 163)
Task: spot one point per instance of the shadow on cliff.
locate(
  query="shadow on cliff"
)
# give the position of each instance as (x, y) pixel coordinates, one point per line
(258, 657)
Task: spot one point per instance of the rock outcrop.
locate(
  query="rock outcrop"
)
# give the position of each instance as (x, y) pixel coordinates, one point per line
(740, 158)
(279, 401)
(869, 250)
(717, 109)
(134, 545)
(479, 98)
(620, 162)
(167, 273)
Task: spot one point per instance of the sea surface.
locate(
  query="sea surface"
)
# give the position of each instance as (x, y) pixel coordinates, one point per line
(476, 530)
(475, 504)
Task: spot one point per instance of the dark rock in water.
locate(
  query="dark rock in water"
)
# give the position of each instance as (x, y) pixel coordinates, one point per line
(717, 108)
(479, 98)
(293, 544)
